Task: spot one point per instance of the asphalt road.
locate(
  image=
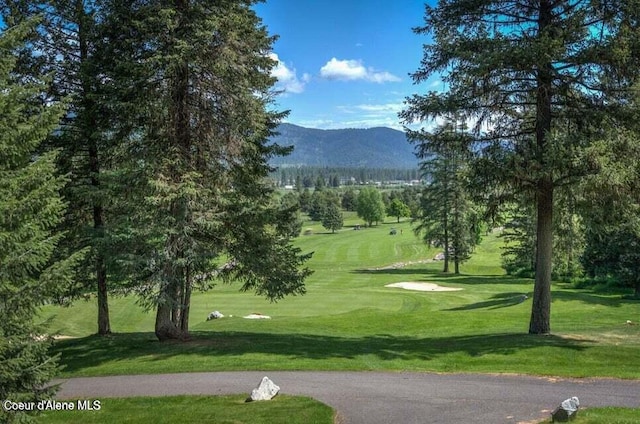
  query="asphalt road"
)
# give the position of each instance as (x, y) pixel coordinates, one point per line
(379, 397)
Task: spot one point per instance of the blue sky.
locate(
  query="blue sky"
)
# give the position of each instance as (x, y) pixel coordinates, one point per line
(345, 64)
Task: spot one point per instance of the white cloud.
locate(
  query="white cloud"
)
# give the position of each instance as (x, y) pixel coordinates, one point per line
(361, 116)
(351, 70)
(287, 78)
(365, 122)
(386, 107)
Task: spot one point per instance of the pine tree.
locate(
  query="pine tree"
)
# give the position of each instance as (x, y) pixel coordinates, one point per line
(447, 217)
(332, 218)
(30, 210)
(191, 90)
(536, 79)
(71, 57)
(611, 211)
(349, 200)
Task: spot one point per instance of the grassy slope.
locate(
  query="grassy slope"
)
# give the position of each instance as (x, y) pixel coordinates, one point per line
(349, 320)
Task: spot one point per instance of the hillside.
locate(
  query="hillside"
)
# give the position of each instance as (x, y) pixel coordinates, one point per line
(352, 148)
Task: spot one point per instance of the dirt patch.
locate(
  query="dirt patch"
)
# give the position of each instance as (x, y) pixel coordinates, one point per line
(422, 287)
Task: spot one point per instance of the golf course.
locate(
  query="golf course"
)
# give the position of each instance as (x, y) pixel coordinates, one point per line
(350, 321)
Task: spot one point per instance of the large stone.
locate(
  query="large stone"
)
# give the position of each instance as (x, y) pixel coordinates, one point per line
(266, 390)
(215, 315)
(567, 410)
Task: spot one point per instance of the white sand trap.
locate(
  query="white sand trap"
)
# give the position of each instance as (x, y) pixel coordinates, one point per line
(257, 316)
(422, 286)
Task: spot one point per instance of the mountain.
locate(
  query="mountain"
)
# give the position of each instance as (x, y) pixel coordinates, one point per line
(350, 148)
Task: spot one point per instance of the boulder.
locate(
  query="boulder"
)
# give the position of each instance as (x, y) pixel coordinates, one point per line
(266, 390)
(567, 410)
(215, 315)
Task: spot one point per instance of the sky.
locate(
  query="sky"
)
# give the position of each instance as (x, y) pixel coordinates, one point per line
(345, 63)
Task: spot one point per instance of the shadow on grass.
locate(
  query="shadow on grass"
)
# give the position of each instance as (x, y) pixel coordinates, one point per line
(430, 274)
(92, 351)
(590, 297)
(503, 300)
(500, 300)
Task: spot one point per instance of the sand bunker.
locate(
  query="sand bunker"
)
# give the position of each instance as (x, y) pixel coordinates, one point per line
(257, 316)
(422, 286)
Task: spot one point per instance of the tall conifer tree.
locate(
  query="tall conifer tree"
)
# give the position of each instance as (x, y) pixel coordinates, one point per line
(447, 217)
(191, 90)
(64, 46)
(536, 77)
(30, 210)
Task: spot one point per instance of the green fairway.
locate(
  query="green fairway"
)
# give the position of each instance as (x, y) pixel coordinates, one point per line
(198, 409)
(349, 320)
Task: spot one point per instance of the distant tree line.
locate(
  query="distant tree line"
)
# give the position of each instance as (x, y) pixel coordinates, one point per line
(309, 177)
(372, 204)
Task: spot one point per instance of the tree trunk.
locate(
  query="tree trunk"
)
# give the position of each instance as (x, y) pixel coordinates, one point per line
(172, 315)
(186, 305)
(104, 326)
(165, 329)
(446, 246)
(89, 126)
(541, 306)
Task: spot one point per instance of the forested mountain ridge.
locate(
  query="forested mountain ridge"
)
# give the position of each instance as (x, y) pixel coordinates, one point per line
(378, 147)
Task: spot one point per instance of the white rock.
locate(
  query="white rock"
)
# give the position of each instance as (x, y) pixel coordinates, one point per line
(266, 390)
(215, 315)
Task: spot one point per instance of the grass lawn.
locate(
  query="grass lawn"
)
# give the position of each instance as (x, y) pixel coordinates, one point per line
(198, 409)
(349, 320)
(606, 416)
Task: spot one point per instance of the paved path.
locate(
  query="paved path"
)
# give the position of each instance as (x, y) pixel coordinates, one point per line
(379, 397)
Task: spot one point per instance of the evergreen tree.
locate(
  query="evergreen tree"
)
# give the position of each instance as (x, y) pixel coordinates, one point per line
(320, 183)
(519, 252)
(370, 206)
(536, 79)
(191, 88)
(568, 237)
(332, 218)
(611, 212)
(448, 219)
(318, 205)
(70, 56)
(305, 200)
(30, 210)
(289, 210)
(349, 200)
